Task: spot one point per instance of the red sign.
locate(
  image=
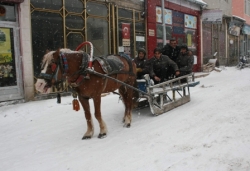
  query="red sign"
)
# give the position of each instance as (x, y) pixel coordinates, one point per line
(126, 30)
(125, 34)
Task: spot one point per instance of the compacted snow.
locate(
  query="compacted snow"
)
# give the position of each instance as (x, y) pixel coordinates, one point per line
(210, 133)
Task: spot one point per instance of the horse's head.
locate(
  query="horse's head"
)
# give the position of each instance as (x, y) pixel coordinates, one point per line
(57, 65)
(51, 73)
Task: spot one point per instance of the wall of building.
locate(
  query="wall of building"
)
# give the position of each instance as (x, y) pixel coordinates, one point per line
(26, 50)
(238, 9)
(224, 5)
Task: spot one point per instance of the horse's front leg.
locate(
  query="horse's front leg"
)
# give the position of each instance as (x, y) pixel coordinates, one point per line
(90, 126)
(127, 96)
(98, 115)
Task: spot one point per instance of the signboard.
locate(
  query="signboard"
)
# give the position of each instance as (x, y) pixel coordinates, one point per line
(178, 25)
(151, 32)
(125, 34)
(190, 21)
(212, 16)
(233, 29)
(167, 13)
(5, 46)
(246, 30)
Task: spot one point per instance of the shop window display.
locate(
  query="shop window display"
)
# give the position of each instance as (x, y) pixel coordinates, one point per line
(7, 58)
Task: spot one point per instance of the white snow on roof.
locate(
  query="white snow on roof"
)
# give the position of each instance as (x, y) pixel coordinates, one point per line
(202, 2)
(235, 16)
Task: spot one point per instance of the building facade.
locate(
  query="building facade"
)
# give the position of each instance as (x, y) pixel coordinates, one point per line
(182, 22)
(112, 27)
(215, 24)
(241, 10)
(230, 36)
(28, 28)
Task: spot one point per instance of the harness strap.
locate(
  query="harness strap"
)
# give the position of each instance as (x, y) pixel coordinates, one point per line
(64, 62)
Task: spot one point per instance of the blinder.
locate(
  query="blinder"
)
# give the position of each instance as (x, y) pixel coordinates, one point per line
(49, 77)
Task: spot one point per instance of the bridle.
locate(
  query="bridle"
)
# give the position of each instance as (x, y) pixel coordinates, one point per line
(62, 64)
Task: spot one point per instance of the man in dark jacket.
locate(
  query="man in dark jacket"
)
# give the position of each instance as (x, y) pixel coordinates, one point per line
(140, 62)
(185, 61)
(172, 51)
(158, 66)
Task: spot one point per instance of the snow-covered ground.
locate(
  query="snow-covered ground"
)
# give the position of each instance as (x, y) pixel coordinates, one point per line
(210, 133)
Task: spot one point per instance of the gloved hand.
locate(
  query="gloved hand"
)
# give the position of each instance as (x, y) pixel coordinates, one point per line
(138, 70)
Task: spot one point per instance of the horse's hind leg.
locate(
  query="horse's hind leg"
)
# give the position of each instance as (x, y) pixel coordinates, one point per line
(98, 115)
(90, 127)
(127, 96)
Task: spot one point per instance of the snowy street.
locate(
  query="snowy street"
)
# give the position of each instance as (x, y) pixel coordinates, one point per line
(210, 133)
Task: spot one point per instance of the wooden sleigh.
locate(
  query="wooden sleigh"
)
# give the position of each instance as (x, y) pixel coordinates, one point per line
(167, 95)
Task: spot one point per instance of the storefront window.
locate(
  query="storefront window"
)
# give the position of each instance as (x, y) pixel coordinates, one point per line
(191, 40)
(125, 13)
(74, 22)
(139, 26)
(7, 13)
(47, 34)
(97, 9)
(7, 58)
(47, 4)
(97, 34)
(75, 6)
(74, 40)
(159, 32)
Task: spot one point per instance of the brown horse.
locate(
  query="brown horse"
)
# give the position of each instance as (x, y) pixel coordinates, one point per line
(87, 81)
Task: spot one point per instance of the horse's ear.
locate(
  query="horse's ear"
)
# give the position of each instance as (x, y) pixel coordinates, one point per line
(56, 54)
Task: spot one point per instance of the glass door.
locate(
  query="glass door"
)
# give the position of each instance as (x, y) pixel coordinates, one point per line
(10, 68)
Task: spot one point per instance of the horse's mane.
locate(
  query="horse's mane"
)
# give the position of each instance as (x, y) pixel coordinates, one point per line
(49, 56)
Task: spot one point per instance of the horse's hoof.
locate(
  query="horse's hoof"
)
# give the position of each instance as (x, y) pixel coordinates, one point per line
(86, 137)
(127, 125)
(104, 135)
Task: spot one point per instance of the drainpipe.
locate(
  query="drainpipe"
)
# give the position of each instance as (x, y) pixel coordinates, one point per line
(163, 21)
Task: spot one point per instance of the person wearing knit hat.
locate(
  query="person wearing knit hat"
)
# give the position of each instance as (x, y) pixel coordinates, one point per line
(140, 62)
(185, 61)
